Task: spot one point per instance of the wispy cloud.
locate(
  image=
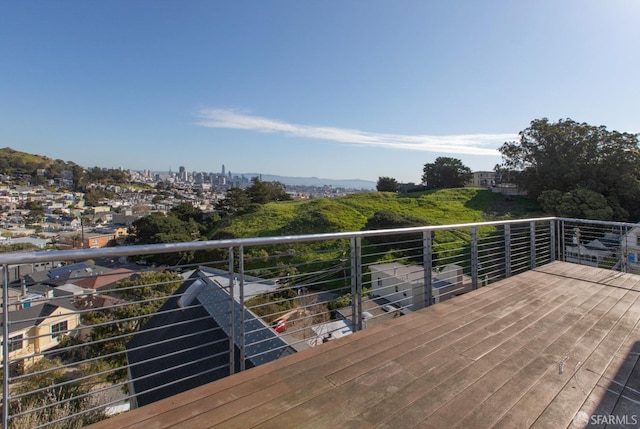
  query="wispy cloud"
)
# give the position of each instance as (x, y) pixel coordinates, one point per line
(467, 144)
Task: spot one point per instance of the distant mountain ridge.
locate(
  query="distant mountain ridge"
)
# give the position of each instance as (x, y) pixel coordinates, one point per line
(306, 181)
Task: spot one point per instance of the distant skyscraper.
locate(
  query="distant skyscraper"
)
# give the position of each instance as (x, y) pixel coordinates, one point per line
(223, 169)
(183, 174)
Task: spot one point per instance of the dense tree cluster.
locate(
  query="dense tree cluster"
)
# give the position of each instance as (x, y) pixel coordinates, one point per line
(446, 172)
(105, 176)
(387, 184)
(49, 397)
(36, 212)
(239, 200)
(576, 169)
(96, 197)
(181, 224)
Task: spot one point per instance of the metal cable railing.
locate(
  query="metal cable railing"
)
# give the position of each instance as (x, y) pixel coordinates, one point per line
(86, 343)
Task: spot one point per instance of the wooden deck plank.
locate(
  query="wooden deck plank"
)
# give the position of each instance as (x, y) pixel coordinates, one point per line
(525, 412)
(520, 322)
(567, 403)
(546, 328)
(363, 372)
(627, 403)
(578, 272)
(422, 408)
(470, 327)
(489, 357)
(490, 409)
(341, 357)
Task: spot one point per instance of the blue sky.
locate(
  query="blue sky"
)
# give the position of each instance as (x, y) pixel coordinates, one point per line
(336, 89)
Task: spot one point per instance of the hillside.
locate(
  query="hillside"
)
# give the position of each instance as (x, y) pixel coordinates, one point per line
(21, 162)
(350, 213)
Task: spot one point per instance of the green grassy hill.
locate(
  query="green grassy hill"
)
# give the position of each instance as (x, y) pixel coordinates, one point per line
(22, 162)
(350, 213)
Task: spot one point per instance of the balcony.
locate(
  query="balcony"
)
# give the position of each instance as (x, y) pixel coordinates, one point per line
(518, 323)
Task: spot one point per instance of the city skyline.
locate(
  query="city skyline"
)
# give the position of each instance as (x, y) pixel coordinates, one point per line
(342, 90)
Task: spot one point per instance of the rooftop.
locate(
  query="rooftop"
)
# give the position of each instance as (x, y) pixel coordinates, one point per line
(555, 346)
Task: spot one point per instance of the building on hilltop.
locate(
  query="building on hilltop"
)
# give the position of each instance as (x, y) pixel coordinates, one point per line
(484, 179)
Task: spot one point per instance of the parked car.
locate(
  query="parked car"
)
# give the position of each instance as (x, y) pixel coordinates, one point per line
(279, 325)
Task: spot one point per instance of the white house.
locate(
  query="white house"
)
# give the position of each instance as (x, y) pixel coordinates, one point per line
(595, 251)
(403, 285)
(631, 250)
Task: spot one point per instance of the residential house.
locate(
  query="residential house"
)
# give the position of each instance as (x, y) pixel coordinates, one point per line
(107, 279)
(79, 274)
(186, 343)
(35, 241)
(484, 179)
(631, 249)
(596, 252)
(88, 240)
(404, 285)
(36, 329)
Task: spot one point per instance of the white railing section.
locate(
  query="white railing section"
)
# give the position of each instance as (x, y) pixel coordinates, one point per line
(90, 333)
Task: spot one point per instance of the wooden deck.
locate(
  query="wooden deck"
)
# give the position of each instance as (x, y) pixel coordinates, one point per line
(548, 348)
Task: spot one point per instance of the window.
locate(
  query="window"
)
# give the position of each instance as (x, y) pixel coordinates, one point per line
(58, 329)
(15, 343)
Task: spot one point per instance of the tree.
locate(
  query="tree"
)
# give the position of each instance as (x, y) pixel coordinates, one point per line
(387, 184)
(159, 228)
(580, 204)
(446, 172)
(48, 397)
(235, 200)
(78, 176)
(566, 156)
(95, 197)
(36, 212)
(264, 192)
(186, 212)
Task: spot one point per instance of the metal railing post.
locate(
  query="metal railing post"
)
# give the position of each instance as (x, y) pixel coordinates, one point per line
(358, 295)
(232, 317)
(552, 240)
(474, 257)
(624, 256)
(427, 257)
(507, 250)
(532, 243)
(562, 250)
(242, 344)
(5, 347)
(354, 320)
